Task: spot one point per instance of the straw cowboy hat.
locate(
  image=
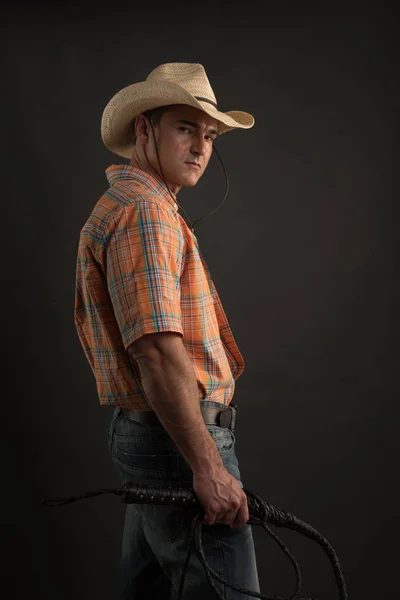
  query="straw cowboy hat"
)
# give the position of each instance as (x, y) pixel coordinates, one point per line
(171, 83)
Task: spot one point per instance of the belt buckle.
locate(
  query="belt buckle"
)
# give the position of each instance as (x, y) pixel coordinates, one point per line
(227, 417)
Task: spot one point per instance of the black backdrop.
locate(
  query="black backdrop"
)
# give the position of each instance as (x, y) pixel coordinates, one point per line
(303, 254)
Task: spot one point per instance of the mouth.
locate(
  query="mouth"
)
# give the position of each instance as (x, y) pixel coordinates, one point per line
(194, 165)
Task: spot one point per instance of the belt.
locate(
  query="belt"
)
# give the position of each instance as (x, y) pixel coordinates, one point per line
(225, 417)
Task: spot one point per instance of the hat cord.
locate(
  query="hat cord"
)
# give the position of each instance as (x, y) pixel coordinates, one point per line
(174, 199)
(226, 188)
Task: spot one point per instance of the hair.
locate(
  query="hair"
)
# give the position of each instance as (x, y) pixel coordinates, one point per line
(155, 115)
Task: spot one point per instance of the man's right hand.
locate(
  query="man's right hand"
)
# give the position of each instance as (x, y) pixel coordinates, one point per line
(222, 498)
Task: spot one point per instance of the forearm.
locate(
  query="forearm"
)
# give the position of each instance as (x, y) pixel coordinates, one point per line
(170, 385)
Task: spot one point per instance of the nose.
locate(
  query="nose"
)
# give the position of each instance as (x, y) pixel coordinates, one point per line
(199, 145)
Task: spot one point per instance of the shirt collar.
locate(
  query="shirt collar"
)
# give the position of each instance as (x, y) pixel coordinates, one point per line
(116, 173)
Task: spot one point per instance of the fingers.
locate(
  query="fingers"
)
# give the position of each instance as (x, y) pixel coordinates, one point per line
(237, 516)
(242, 516)
(209, 518)
(229, 517)
(211, 513)
(222, 499)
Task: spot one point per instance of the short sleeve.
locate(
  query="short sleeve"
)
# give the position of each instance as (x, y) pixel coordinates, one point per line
(144, 258)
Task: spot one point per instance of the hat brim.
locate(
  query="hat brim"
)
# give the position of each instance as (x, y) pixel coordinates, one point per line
(135, 99)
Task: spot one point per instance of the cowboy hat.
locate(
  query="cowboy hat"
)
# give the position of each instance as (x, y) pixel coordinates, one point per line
(171, 83)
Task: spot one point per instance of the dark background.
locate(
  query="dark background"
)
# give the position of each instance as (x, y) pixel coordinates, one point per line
(303, 254)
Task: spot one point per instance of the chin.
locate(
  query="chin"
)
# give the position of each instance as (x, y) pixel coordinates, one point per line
(189, 181)
(189, 184)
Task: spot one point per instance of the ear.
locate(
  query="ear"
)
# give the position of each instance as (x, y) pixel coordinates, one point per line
(142, 128)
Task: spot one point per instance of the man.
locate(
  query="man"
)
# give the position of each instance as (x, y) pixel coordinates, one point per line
(155, 334)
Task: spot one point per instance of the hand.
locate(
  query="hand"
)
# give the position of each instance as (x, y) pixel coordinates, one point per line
(222, 498)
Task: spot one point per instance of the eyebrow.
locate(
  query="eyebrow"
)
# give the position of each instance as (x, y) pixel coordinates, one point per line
(195, 125)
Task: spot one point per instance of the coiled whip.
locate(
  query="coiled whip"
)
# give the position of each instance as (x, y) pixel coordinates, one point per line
(260, 513)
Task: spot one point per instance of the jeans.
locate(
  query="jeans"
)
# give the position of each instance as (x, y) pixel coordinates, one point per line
(155, 538)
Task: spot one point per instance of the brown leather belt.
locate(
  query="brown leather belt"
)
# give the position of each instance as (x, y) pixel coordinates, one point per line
(223, 417)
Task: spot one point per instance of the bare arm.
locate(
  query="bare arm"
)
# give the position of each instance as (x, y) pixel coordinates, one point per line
(170, 385)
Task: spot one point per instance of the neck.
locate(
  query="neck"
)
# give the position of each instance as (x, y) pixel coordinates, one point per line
(140, 161)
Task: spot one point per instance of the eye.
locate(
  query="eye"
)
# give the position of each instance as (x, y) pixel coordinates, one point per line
(183, 128)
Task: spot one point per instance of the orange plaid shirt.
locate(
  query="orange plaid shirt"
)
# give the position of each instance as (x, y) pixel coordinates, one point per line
(139, 271)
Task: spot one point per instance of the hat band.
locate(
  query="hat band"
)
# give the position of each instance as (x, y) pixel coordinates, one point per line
(206, 100)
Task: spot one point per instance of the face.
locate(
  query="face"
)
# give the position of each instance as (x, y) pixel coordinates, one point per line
(185, 137)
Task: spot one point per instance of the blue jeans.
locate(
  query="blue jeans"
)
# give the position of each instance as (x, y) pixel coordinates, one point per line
(155, 538)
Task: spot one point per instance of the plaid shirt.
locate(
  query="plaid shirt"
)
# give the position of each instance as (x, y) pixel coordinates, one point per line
(139, 270)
